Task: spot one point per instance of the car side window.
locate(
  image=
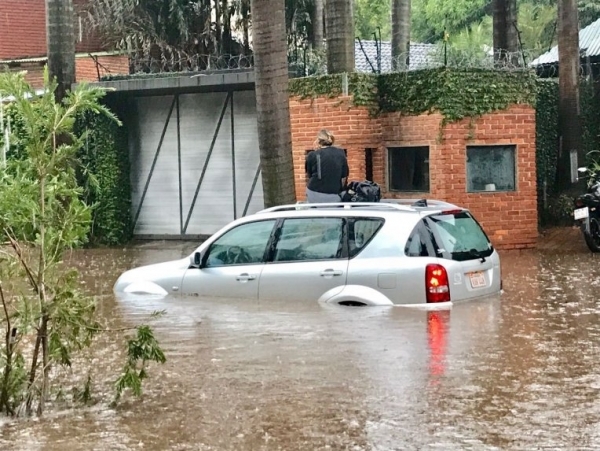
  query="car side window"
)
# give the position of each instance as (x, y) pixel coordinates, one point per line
(419, 243)
(243, 245)
(309, 239)
(362, 230)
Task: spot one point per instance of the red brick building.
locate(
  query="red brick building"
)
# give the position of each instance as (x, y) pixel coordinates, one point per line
(23, 43)
(487, 166)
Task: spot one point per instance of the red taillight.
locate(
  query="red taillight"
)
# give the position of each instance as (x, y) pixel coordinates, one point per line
(436, 284)
(579, 203)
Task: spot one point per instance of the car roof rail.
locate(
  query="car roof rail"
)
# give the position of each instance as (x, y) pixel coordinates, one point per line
(331, 205)
(412, 205)
(422, 203)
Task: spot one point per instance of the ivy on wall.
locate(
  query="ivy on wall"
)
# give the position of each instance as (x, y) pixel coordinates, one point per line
(546, 117)
(455, 93)
(558, 208)
(104, 173)
(106, 181)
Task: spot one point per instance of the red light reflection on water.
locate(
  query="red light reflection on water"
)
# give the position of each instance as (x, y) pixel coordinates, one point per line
(437, 331)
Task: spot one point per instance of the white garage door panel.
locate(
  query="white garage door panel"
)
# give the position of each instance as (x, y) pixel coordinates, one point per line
(158, 210)
(247, 156)
(162, 212)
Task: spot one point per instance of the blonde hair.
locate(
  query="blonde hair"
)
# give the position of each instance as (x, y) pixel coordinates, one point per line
(325, 138)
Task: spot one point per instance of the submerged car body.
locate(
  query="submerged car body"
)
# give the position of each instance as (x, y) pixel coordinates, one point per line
(388, 253)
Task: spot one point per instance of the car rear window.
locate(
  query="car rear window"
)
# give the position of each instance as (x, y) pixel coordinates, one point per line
(459, 236)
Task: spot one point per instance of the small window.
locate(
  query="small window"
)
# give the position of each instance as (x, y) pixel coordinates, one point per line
(362, 231)
(309, 239)
(490, 168)
(409, 168)
(243, 245)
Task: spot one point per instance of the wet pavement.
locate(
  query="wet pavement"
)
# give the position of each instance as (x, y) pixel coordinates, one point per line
(521, 371)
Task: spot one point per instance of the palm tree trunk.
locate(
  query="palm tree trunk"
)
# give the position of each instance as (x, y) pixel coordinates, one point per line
(218, 32)
(568, 105)
(60, 37)
(400, 34)
(506, 39)
(246, 26)
(317, 21)
(339, 23)
(272, 101)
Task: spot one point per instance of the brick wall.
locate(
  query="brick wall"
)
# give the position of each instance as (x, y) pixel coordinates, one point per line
(509, 218)
(85, 68)
(23, 29)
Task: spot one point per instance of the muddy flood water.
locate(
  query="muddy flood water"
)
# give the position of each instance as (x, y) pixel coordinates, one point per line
(521, 371)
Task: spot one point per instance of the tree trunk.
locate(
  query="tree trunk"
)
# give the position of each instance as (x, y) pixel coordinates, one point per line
(218, 32)
(246, 26)
(339, 22)
(568, 105)
(272, 101)
(318, 25)
(506, 38)
(60, 37)
(400, 34)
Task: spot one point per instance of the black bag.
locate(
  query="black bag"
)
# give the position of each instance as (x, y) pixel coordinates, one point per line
(361, 192)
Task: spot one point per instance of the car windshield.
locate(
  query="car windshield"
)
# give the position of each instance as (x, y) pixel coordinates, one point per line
(462, 238)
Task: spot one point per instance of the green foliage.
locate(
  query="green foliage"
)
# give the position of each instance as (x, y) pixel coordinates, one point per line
(430, 18)
(559, 207)
(546, 135)
(106, 182)
(590, 116)
(42, 215)
(102, 172)
(455, 93)
(142, 349)
(373, 17)
(537, 24)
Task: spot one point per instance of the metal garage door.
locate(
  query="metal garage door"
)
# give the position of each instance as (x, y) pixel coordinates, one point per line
(195, 162)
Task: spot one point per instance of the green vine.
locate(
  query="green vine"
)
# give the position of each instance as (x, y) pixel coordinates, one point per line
(455, 93)
(104, 155)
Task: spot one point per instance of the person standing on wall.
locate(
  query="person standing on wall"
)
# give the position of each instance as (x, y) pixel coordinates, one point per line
(326, 170)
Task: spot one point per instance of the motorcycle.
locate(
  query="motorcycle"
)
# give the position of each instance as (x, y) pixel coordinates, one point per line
(587, 213)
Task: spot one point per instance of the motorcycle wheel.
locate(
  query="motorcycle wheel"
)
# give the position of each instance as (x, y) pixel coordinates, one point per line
(592, 239)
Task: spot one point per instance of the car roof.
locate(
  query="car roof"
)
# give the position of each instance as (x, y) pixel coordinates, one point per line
(385, 208)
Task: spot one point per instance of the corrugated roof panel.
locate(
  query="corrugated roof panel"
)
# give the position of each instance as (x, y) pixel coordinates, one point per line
(589, 38)
(421, 56)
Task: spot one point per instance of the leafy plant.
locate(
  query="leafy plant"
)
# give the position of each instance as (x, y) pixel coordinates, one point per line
(142, 349)
(46, 317)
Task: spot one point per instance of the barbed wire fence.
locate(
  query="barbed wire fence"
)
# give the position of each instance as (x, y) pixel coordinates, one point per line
(369, 59)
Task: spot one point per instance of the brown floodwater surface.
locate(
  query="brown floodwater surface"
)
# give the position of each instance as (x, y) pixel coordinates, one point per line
(520, 371)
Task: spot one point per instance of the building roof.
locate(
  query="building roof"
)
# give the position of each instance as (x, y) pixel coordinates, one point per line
(421, 55)
(589, 40)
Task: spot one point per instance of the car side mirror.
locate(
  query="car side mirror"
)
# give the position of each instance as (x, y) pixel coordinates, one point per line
(196, 260)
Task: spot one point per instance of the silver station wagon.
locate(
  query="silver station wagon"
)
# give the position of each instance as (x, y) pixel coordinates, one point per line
(425, 253)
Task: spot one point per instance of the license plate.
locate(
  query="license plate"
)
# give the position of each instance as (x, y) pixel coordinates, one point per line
(477, 279)
(581, 213)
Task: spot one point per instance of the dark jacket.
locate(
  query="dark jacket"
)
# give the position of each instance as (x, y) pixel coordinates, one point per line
(325, 168)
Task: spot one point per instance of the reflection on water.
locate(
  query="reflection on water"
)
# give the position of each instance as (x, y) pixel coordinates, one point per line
(516, 372)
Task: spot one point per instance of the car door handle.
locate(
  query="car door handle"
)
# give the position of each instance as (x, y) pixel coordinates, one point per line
(245, 277)
(331, 273)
